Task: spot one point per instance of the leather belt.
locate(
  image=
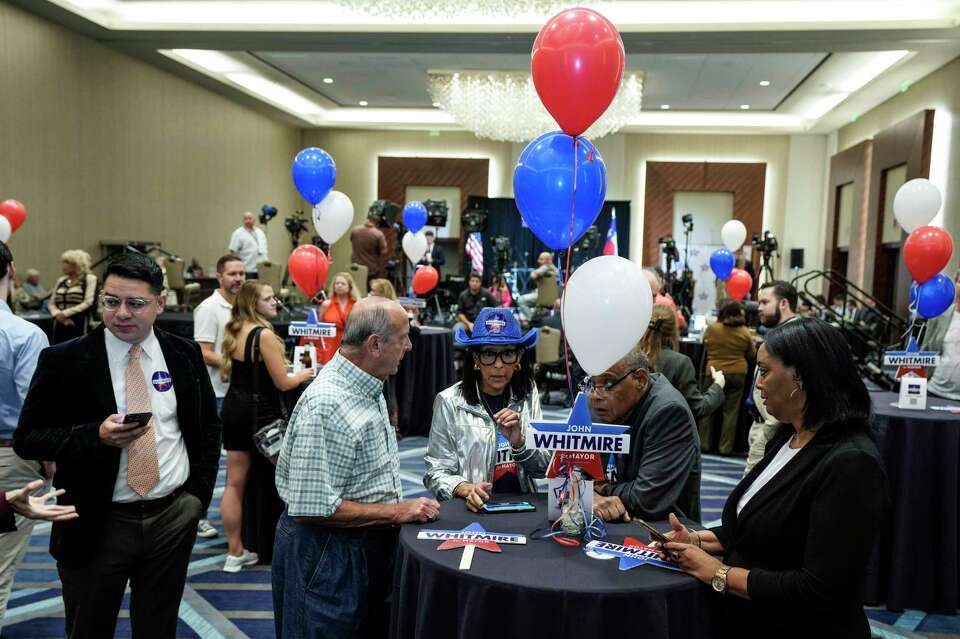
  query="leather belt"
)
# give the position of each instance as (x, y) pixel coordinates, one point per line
(146, 506)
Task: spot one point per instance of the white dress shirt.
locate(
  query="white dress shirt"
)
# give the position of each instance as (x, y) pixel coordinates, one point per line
(250, 246)
(171, 450)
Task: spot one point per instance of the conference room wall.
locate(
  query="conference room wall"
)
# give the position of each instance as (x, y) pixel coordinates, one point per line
(101, 146)
(939, 91)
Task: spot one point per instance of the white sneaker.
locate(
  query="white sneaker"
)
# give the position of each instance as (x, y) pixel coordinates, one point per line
(205, 529)
(235, 564)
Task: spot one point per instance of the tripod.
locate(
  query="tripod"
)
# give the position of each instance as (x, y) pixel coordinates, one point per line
(766, 272)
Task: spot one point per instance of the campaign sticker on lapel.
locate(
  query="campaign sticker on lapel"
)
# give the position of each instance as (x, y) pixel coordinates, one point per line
(632, 553)
(162, 381)
(471, 537)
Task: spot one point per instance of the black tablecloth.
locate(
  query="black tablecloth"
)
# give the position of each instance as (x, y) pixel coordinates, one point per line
(541, 589)
(181, 323)
(696, 353)
(424, 371)
(916, 563)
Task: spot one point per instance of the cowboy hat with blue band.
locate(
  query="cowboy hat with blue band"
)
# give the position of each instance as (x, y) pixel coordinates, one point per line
(497, 327)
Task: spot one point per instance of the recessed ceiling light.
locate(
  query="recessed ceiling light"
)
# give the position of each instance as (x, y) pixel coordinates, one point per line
(363, 103)
(436, 105)
(328, 80)
(744, 106)
(664, 106)
(764, 83)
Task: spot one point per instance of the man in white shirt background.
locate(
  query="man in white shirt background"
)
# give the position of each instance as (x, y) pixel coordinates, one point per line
(942, 335)
(249, 243)
(209, 324)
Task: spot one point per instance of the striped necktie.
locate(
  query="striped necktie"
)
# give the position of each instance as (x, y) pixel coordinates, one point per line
(143, 468)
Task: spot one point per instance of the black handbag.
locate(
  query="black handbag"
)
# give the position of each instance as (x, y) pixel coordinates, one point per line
(269, 438)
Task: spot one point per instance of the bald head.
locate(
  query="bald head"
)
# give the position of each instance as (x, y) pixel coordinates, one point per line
(545, 258)
(248, 219)
(376, 336)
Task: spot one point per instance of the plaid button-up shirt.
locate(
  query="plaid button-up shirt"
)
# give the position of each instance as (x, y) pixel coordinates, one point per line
(339, 445)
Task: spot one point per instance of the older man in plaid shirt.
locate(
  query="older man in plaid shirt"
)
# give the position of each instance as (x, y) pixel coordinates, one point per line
(339, 475)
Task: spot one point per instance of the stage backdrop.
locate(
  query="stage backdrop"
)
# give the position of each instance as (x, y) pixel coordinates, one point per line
(503, 219)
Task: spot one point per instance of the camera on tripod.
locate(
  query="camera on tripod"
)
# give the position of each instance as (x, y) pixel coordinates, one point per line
(668, 246)
(384, 212)
(501, 248)
(768, 245)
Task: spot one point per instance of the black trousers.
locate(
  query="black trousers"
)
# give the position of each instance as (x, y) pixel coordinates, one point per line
(147, 547)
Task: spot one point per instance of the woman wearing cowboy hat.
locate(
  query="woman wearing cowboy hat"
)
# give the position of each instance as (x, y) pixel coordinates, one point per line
(477, 438)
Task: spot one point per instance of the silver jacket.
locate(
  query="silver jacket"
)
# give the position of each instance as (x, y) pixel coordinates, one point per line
(463, 444)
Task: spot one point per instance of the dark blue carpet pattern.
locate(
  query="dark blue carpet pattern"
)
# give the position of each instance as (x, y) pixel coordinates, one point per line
(222, 605)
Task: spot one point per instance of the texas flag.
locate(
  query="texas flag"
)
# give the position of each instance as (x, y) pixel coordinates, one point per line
(610, 246)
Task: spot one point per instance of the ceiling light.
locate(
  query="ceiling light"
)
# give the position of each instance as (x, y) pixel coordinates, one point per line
(363, 103)
(870, 65)
(328, 80)
(436, 105)
(212, 61)
(744, 107)
(764, 83)
(664, 106)
(505, 106)
(276, 93)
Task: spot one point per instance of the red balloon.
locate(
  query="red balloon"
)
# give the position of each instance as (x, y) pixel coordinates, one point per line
(577, 65)
(739, 284)
(15, 213)
(308, 267)
(425, 279)
(927, 251)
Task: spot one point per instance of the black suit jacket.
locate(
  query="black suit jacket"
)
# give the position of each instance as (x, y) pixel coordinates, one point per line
(806, 537)
(661, 474)
(70, 396)
(436, 257)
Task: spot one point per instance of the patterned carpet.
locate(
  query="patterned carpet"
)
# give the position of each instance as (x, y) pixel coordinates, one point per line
(223, 605)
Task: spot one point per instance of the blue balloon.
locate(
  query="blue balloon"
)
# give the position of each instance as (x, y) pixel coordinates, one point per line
(543, 187)
(935, 296)
(722, 263)
(414, 216)
(314, 174)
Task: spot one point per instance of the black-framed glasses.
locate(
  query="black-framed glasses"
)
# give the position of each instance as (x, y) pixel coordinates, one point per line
(587, 386)
(489, 358)
(135, 305)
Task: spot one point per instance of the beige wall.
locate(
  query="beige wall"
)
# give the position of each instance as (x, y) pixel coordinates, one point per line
(98, 145)
(939, 91)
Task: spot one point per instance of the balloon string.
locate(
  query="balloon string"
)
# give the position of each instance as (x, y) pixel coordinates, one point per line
(566, 272)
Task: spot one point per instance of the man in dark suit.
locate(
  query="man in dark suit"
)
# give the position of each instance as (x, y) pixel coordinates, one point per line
(661, 473)
(139, 487)
(433, 256)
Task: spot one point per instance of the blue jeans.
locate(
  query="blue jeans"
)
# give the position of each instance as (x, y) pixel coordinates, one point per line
(319, 581)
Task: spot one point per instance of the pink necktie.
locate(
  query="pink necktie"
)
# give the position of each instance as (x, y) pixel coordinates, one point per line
(143, 469)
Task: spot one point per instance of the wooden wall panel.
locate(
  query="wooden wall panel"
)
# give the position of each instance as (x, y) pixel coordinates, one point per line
(851, 166)
(745, 180)
(395, 174)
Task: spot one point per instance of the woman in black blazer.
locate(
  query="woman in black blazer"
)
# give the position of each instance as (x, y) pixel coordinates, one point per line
(797, 531)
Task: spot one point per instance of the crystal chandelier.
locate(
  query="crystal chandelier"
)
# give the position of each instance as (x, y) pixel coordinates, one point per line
(505, 106)
(420, 10)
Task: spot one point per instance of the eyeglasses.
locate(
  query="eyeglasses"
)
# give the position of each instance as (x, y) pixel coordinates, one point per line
(489, 358)
(588, 387)
(135, 305)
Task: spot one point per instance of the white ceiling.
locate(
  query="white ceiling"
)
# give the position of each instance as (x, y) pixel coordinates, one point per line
(696, 82)
(705, 58)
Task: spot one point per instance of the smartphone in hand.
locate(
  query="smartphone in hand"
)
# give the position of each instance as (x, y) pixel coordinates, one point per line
(139, 419)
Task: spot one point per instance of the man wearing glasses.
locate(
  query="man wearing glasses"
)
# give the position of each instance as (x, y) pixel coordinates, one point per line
(128, 414)
(661, 473)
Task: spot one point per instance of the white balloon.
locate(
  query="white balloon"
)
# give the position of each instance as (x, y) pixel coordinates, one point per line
(414, 245)
(916, 204)
(333, 216)
(606, 310)
(5, 229)
(733, 234)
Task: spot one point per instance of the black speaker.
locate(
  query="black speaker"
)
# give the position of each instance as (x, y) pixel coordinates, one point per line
(796, 258)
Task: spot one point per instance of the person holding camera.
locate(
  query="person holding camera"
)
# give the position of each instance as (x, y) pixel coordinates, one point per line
(249, 243)
(369, 246)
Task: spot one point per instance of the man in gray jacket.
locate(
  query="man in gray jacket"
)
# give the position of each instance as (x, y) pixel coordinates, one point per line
(661, 473)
